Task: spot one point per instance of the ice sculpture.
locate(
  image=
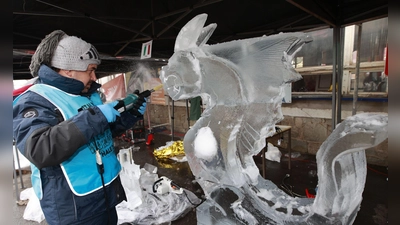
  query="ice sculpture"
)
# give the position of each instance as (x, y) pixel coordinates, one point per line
(242, 82)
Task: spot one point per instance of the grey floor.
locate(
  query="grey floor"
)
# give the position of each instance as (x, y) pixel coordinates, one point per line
(179, 172)
(19, 209)
(373, 211)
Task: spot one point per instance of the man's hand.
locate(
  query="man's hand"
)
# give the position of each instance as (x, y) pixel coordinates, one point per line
(109, 112)
(139, 108)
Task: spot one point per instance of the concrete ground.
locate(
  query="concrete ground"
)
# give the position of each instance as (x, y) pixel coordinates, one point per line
(176, 171)
(373, 211)
(18, 210)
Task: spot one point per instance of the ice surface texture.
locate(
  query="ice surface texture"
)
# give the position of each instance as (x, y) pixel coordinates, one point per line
(241, 83)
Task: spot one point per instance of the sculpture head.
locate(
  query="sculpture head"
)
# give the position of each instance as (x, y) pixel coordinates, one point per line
(239, 72)
(182, 76)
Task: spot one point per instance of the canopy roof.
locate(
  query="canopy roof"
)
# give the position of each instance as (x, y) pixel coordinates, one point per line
(118, 28)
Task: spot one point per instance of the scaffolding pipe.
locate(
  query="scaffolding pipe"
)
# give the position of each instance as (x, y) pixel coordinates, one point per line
(334, 72)
(18, 164)
(15, 171)
(187, 113)
(339, 75)
(355, 93)
(337, 69)
(172, 120)
(15, 181)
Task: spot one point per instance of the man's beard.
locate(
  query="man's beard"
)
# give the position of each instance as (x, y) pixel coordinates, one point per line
(87, 88)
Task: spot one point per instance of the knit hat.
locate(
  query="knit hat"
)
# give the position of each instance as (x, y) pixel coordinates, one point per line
(61, 51)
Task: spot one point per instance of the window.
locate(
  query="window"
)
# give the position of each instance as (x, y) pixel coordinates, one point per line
(373, 40)
(370, 82)
(320, 51)
(314, 60)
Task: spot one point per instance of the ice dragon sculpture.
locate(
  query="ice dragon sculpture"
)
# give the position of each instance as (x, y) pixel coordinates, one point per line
(242, 82)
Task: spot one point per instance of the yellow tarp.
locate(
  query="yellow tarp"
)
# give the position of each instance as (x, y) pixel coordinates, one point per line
(172, 150)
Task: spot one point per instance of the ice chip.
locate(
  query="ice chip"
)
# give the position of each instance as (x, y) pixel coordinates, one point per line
(150, 168)
(205, 145)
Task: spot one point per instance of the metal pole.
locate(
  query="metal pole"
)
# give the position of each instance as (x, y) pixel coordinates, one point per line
(19, 165)
(187, 113)
(355, 93)
(15, 172)
(339, 76)
(335, 31)
(172, 120)
(15, 182)
(148, 118)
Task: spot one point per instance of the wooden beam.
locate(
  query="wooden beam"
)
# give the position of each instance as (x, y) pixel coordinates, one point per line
(321, 70)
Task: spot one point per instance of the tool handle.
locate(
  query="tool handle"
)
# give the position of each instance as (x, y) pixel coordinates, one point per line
(145, 94)
(120, 106)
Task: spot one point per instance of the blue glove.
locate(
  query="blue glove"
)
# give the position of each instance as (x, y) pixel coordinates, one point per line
(142, 108)
(139, 108)
(109, 112)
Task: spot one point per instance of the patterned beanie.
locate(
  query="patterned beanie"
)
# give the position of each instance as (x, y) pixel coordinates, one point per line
(61, 51)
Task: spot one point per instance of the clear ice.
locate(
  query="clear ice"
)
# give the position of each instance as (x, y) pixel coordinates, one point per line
(242, 84)
(143, 206)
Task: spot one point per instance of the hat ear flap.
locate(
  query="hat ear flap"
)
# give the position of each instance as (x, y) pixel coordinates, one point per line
(44, 51)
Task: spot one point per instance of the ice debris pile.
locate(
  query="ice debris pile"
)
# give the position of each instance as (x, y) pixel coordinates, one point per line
(242, 83)
(145, 205)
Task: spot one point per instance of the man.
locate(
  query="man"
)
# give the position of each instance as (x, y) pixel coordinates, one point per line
(63, 128)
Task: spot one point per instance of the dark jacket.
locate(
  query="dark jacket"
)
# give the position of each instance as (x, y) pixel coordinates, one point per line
(46, 140)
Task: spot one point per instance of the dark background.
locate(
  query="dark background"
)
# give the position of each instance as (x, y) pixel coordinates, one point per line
(118, 28)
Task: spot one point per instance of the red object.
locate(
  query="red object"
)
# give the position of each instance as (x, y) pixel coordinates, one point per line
(150, 138)
(20, 90)
(387, 62)
(309, 195)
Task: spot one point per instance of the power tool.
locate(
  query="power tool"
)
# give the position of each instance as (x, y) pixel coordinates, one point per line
(165, 185)
(130, 100)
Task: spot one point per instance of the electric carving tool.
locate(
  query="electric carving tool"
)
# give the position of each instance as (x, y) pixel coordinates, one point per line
(165, 185)
(130, 100)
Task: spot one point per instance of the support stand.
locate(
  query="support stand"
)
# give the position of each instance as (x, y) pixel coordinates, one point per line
(172, 120)
(15, 172)
(187, 113)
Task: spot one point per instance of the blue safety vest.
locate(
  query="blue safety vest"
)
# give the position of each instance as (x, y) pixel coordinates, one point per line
(80, 169)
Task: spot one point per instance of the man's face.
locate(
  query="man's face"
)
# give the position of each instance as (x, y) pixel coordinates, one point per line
(86, 77)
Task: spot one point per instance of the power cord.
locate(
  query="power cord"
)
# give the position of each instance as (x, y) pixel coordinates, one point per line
(177, 186)
(100, 169)
(196, 205)
(289, 188)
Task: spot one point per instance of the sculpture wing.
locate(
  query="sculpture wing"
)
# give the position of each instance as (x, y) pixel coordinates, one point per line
(262, 62)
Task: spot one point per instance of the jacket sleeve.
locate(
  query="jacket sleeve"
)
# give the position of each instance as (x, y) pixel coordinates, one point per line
(126, 121)
(44, 138)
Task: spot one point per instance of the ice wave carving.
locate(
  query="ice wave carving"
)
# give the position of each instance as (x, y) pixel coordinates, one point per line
(242, 82)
